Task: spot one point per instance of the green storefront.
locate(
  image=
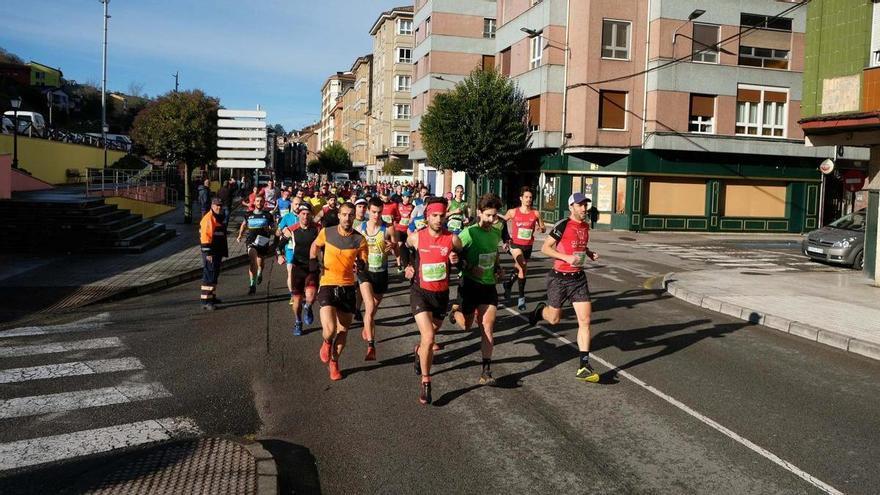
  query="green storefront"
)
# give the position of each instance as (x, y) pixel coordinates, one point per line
(675, 191)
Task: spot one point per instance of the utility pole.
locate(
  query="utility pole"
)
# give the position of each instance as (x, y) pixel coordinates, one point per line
(104, 127)
(176, 81)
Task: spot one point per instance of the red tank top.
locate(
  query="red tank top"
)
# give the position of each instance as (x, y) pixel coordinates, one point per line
(433, 268)
(390, 214)
(524, 227)
(571, 237)
(405, 216)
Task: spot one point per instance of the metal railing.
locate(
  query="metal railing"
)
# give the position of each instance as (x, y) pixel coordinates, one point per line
(143, 185)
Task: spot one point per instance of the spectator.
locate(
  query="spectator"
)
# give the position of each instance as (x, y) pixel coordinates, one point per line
(225, 195)
(593, 214)
(205, 197)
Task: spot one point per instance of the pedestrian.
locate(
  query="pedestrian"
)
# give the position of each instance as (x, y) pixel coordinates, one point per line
(225, 195)
(204, 197)
(567, 244)
(594, 215)
(522, 223)
(212, 237)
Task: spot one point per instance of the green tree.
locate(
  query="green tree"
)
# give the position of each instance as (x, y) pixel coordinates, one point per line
(179, 127)
(480, 127)
(333, 158)
(313, 166)
(393, 167)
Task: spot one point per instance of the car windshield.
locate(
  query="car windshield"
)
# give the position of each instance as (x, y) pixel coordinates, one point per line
(853, 221)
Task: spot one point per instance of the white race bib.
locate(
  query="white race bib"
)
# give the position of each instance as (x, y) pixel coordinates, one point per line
(582, 259)
(524, 234)
(434, 272)
(487, 260)
(453, 224)
(376, 262)
(261, 241)
(387, 218)
(404, 221)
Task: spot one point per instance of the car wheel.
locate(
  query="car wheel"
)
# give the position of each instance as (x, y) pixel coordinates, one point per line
(859, 261)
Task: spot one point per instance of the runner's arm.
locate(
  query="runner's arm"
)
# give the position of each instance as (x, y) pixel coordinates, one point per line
(241, 229)
(549, 249)
(541, 222)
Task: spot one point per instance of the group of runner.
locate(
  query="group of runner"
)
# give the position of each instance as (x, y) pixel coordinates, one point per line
(338, 252)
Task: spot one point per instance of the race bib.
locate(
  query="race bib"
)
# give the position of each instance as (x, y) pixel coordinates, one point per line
(283, 212)
(582, 259)
(434, 272)
(404, 221)
(387, 218)
(376, 262)
(487, 260)
(261, 241)
(454, 224)
(420, 224)
(524, 234)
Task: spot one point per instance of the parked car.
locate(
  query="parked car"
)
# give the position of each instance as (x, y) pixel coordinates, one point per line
(841, 241)
(29, 122)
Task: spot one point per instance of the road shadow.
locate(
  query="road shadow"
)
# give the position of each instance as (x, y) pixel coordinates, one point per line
(297, 469)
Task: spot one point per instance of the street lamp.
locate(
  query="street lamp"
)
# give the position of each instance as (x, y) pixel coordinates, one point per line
(693, 15)
(16, 104)
(104, 127)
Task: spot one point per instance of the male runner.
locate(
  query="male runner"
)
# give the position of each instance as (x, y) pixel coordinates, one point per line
(433, 249)
(284, 204)
(521, 223)
(345, 250)
(457, 217)
(405, 208)
(329, 216)
(360, 211)
(567, 245)
(381, 240)
(390, 212)
(297, 233)
(481, 271)
(260, 225)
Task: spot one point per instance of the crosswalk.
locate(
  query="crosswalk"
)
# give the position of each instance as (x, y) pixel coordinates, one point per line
(763, 260)
(30, 364)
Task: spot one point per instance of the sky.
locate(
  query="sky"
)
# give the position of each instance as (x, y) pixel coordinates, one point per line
(272, 53)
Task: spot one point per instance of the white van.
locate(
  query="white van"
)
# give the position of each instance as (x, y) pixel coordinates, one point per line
(29, 123)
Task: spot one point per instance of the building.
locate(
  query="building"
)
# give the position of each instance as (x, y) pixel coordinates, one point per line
(332, 89)
(308, 136)
(841, 105)
(391, 110)
(43, 75)
(356, 106)
(452, 38)
(681, 117)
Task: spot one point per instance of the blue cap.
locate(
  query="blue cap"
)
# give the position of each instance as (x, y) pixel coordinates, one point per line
(407, 193)
(578, 198)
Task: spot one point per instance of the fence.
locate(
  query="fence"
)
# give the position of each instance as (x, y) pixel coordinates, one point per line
(142, 185)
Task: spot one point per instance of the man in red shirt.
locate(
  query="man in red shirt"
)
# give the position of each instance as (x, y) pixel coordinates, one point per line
(566, 282)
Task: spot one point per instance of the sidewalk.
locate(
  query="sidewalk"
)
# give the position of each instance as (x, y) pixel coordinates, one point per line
(839, 309)
(34, 284)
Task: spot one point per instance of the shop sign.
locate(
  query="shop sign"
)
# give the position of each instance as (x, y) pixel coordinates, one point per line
(853, 180)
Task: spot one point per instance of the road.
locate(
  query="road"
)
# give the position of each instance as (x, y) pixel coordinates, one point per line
(689, 400)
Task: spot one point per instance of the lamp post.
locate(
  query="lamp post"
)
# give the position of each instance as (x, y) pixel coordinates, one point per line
(16, 104)
(104, 127)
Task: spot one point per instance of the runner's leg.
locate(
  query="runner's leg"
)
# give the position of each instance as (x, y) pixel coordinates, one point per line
(369, 300)
(584, 310)
(486, 315)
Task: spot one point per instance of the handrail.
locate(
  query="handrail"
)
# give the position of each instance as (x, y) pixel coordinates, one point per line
(143, 185)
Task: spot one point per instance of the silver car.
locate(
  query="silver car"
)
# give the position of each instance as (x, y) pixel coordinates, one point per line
(841, 241)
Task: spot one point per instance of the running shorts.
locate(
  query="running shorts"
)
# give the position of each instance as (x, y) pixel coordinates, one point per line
(526, 250)
(421, 300)
(474, 294)
(379, 281)
(303, 279)
(564, 287)
(341, 297)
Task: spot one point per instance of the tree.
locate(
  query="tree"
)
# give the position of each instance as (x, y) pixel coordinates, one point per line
(313, 166)
(136, 89)
(333, 158)
(179, 127)
(7, 56)
(480, 127)
(278, 128)
(393, 167)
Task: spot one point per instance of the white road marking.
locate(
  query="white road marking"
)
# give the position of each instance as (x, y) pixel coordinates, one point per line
(788, 466)
(77, 345)
(91, 323)
(70, 445)
(75, 368)
(81, 399)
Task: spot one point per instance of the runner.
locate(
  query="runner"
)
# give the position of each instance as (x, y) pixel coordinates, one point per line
(212, 236)
(482, 270)
(433, 249)
(381, 240)
(284, 204)
(457, 217)
(329, 216)
(260, 226)
(360, 216)
(390, 212)
(297, 233)
(567, 245)
(405, 208)
(521, 223)
(344, 251)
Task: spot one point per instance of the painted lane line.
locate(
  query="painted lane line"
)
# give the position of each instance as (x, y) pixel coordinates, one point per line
(75, 368)
(41, 450)
(77, 345)
(788, 466)
(91, 323)
(81, 399)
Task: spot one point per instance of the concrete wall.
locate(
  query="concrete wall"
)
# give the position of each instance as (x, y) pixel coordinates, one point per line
(49, 160)
(142, 208)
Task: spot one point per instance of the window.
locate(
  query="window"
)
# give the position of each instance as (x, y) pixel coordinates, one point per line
(428, 26)
(402, 83)
(765, 22)
(705, 47)
(401, 111)
(401, 140)
(489, 28)
(534, 113)
(505, 62)
(702, 119)
(404, 26)
(761, 112)
(612, 110)
(404, 56)
(537, 50)
(767, 58)
(615, 39)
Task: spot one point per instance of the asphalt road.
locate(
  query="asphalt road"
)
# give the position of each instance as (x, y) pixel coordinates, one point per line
(689, 401)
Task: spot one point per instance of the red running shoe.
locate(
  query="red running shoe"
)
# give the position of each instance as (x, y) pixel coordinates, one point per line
(335, 374)
(325, 352)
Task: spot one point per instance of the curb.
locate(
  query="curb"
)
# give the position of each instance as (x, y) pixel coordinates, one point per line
(267, 470)
(827, 337)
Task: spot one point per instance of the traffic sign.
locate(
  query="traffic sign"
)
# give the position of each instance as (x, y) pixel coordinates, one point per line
(241, 138)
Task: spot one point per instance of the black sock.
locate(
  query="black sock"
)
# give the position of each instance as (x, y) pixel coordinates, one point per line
(486, 362)
(585, 358)
(522, 286)
(371, 343)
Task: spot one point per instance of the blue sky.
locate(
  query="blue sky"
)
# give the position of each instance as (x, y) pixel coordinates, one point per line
(274, 53)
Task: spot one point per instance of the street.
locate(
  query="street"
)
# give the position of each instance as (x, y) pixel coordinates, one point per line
(689, 400)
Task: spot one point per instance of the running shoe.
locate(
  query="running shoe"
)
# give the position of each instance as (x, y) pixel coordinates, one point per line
(536, 315)
(521, 304)
(208, 307)
(325, 352)
(308, 316)
(417, 365)
(259, 278)
(371, 353)
(297, 329)
(291, 300)
(486, 378)
(455, 307)
(252, 290)
(586, 374)
(335, 374)
(425, 393)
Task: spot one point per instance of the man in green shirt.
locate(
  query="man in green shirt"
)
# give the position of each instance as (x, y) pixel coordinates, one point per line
(481, 270)
(457, 217)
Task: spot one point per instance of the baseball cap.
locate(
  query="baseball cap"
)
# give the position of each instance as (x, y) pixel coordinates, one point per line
(578, 198)
(303, 207)
(216, 201)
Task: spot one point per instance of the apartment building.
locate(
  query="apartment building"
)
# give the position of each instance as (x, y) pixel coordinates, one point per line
(389, 127)
(356, 104)
(452, 38)
(681, 117)
(332, 89)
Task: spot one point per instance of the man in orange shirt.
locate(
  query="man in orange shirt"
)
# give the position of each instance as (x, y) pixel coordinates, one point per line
(345, 251)
(212, 237)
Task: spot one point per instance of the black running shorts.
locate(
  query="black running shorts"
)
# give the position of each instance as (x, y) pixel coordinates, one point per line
(474, 294)
(341, 297)
(421, 300)
(526, 250)
(563, 287)
(379, 281)
(303, 279)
